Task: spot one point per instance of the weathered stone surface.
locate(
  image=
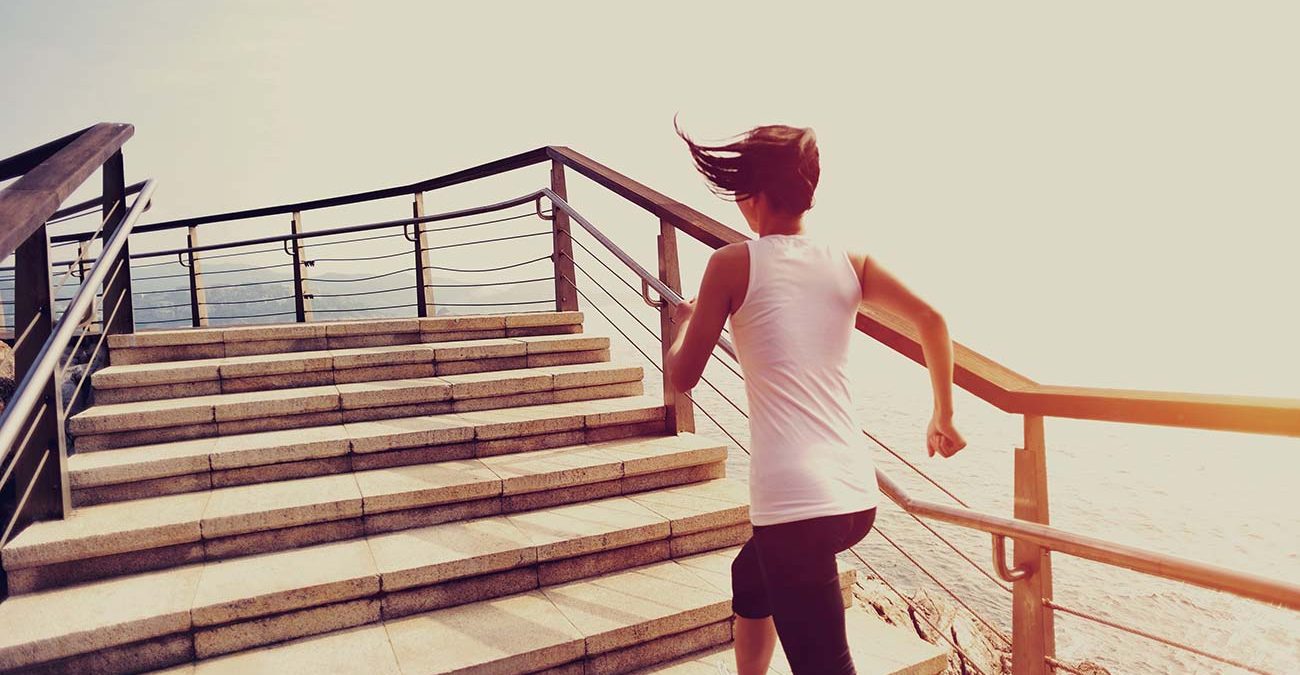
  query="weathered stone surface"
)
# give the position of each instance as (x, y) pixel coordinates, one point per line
(516, 634)
(156, 392)
(462, 335)
(603, 391)
(454, 324)
(394, 392)
(269, 506)
(592, 374)
(262, 404)
(623, 410)
(663, 649)
(584, 492)
(672, 477)
(499, 383)
(154, 487)
(134, 355)
(266, 473)
(700, 506)
(58, 575)
(527, 421)
(275, 364)
(356, 651)
(278, 422)
(553, 469)
(140, 463)
(530, 319)
(426, 485)
(385, 412)
(55, 624)
(266, 541)
(480, 365)
(407, 432)
(710, 540)
(277, 346)
(314, 378)
(163, 338)
(392, 521)
(432, 555)
(124, 439)
(209, 642)
(623, 609)
(566, 358)
(108, 529)
(420, 455)
(578, 529)
(283, 331)
(271, 583)
(371, 327)
(607, 561)
(273, 447)
(459, 592)
(509, 401)
(139, 415)
(546, 344)
(406, 371)
(503, 446)
(143, 375)
(366, 357)
(478, 349)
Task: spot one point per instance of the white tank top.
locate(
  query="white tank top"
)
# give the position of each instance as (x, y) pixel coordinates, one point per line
(792, 332)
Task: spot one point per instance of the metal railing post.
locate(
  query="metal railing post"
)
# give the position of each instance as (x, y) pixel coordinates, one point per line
(423, 275)
(566, 297)
(118, 288)
(680, 410)
(44, 457)
(301, 298)
(198, 297)
(1033, 627)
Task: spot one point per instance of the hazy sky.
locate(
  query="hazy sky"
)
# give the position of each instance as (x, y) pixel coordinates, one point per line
(1095, 193)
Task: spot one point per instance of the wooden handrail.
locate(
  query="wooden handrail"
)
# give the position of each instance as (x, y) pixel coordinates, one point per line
(29, 201)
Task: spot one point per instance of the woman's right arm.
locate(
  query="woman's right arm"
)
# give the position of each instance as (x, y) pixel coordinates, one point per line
(884, 290)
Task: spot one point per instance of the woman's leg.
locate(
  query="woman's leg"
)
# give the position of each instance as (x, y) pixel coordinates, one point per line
(798, 564)
(755, 635)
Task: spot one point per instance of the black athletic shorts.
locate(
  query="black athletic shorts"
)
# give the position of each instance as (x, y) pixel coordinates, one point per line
(788, 572)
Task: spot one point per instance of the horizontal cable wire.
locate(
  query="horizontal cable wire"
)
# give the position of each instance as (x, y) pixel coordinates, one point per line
(363, 258)
(486, 241)
(360, 309)
(1169, 642)
(377, 276)
(241, 302)
(348, 295)
(494, 283)
(487, 269)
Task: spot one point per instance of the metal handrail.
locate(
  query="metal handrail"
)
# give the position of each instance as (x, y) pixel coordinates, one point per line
(29, 391)
(1058, 540)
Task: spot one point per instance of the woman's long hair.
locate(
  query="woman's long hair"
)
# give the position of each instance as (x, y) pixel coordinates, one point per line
(775, 160)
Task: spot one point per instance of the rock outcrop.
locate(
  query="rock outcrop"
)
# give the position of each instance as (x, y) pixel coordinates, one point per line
(984, 650)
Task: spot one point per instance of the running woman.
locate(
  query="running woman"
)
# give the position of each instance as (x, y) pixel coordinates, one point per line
(793, 302)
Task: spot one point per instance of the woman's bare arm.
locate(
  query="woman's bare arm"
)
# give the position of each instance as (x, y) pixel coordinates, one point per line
(699, 322)
(884, 290)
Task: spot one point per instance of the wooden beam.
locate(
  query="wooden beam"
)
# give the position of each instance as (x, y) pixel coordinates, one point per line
(680, 409)
(424, 301)
(1033, 630)
(566, 295)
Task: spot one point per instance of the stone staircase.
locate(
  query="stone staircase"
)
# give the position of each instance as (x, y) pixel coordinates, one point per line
(482, 494)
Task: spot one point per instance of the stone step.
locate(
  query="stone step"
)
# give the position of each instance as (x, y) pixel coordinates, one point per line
(116, 425)
(200, 464)
(236, 374)
(877, 647)
(603, 568)
(133, 536)
(216, 343)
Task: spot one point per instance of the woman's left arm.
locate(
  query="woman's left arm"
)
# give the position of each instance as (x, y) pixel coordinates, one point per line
(699, 322)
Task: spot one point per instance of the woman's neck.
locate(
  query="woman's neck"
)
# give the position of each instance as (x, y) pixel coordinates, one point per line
(781, 226)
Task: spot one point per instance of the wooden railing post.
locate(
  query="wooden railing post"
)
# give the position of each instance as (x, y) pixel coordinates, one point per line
(681, 412)
(423, 275)
(44, 456)
(117, 290)
(198, 297)
(566, 296)
(301, 298)
(1032, 623)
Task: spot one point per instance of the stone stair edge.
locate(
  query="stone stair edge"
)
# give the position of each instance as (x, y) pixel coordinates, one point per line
(346, 327)
(195, 370)
(163, 622)
(595, 414)
(181, 518)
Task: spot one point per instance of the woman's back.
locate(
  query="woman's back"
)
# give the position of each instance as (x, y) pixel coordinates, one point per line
(792, 333)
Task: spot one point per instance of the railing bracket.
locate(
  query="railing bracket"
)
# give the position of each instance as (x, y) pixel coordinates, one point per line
(1000, 562)
(542, 214)
(645, 295)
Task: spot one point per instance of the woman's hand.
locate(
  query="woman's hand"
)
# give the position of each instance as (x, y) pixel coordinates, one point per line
(683, 312)
(942, 437)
